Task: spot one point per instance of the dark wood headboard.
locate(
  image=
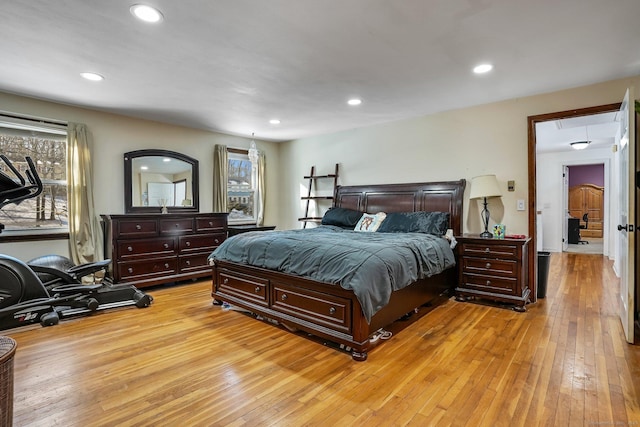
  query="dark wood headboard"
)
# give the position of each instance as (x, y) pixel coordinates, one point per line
(445, 196)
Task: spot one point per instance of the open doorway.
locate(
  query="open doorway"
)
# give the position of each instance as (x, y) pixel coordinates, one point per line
(537, 206)
(563, 202)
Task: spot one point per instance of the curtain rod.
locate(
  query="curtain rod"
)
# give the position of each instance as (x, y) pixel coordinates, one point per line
(33, 119)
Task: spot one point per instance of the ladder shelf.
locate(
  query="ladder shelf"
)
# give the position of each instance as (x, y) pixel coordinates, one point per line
(313, 178)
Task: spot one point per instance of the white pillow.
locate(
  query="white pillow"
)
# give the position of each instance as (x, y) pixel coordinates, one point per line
(370, 223)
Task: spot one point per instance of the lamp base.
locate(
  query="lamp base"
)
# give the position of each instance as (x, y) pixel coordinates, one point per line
(486, 235)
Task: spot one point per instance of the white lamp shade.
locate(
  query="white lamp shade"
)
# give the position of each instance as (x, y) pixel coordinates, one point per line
(484, 186)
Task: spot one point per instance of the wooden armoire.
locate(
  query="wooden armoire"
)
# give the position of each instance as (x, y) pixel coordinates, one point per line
(587, 198)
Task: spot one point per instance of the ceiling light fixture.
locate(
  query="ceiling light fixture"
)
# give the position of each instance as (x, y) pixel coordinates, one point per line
(482, 68)
(581, 145)
(274, 121)
(94, 77)
(146, 13)
(354, 101)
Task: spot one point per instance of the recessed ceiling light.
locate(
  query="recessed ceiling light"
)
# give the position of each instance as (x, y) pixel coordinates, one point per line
(482, 68)
(274, 121)
(354, 101)
(94, 77)
(146, 13)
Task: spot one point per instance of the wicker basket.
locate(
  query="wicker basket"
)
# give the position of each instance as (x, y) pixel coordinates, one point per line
(7, 351)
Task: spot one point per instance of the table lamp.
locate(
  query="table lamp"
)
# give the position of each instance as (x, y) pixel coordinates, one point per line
(484, 187)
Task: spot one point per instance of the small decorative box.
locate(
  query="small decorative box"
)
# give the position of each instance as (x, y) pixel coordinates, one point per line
(499, 231)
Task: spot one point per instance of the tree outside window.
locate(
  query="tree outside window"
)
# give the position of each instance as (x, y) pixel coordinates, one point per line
(241, 189)
(46, 212)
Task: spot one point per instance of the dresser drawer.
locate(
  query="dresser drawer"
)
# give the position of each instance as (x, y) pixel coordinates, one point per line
(491, 284)
(137, 228)
(194, 262)
(498, 267)
(147, 268)
(332, 311)
(200, 242)
(146, 247)
(212, 223)
(243, 286)
(504, 251)
(176, 225)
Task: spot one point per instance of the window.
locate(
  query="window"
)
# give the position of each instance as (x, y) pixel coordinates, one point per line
(46, 144)
(241, 187)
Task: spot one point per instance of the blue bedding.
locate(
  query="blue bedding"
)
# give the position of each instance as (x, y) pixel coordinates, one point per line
(373, 265)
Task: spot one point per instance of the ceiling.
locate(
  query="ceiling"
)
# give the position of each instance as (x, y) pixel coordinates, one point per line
(557, 135)
(232, 65)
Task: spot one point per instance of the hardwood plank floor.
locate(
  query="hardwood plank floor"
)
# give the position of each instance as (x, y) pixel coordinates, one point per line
(185, 362)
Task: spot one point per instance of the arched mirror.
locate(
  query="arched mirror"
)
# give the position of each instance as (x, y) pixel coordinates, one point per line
(157, 179)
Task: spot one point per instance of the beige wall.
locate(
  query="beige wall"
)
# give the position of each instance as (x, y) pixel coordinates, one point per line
(457, 144)
(487, 139)
(113, 135)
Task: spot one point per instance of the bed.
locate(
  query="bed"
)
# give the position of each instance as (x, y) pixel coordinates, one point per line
(336, 312)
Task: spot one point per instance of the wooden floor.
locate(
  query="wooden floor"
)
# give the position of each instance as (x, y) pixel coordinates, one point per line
(185, 362)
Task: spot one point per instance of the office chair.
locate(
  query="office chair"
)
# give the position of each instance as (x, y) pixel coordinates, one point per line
(585, 218)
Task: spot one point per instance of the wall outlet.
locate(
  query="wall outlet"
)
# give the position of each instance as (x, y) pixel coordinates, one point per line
(520, 205)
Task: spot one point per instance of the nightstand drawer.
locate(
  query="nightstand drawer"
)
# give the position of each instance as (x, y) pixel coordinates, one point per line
(497, 267)
(503, 251)
(492, 284)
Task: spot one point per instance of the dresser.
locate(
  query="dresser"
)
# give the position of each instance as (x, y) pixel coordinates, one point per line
(150, 249)
(494, 269)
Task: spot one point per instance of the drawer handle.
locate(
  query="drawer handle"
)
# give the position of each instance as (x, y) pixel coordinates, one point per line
(129, 248)
(488, 265)
(225, 281)
(487, 250)
(138, 227)
(166, 246)
(166, 265)
(177, 225)
(488, 282)
(284, 297)
(257, 289)
(210, 224)
(188, 262)
(217, 241)
(130, 270)
(332, 310)
(188, 244)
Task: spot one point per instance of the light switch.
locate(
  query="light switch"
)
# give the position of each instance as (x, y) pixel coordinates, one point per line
(520, 206)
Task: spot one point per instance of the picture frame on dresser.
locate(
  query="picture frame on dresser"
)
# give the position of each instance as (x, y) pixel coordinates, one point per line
(493, 269)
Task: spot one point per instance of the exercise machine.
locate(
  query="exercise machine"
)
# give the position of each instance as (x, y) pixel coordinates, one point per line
(51, 287)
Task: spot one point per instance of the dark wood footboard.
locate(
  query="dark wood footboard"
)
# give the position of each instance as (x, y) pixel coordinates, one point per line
(326, 311)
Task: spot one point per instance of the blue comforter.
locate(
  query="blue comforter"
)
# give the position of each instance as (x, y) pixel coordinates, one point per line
(371, 264)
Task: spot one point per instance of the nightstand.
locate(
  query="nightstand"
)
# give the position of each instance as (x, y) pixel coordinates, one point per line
(237, 229)
(495, 269)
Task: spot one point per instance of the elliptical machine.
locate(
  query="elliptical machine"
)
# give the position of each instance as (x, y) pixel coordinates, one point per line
(50, 287)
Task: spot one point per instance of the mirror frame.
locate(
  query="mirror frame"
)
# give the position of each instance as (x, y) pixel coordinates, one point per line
(128, 187)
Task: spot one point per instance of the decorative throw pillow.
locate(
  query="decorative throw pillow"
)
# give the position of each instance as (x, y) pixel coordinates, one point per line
(416, 222)
(369, 222)
(341, 217)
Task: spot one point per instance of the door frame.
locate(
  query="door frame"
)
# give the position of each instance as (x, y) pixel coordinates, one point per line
(532, 214)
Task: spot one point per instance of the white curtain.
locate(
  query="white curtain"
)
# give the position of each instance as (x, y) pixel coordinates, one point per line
(260, 185)
(85, 233)
(220, 171)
